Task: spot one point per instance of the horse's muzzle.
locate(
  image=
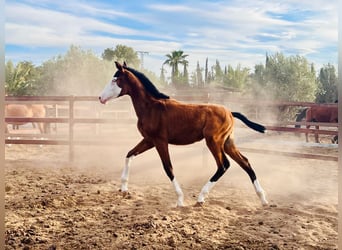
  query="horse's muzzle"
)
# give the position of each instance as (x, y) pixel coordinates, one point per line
(101, 100)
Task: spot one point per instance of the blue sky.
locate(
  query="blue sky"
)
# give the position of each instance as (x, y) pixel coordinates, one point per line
(229, 31)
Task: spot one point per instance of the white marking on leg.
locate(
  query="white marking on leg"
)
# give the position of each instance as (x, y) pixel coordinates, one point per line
(260, 192)
(205, 191)
(179, 192)
(125, 174)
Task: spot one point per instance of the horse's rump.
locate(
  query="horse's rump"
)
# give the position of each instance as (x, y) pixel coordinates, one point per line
(18, 110)
(27, 110)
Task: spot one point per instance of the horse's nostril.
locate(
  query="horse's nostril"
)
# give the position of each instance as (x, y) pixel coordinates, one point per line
(100, 98)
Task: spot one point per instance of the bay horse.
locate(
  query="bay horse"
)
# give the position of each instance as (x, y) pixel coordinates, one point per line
(327, 113)
(26, 110)
(163, 120)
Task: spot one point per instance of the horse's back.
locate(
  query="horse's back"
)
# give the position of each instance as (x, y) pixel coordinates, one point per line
(197, 112)
(17, 110)
(323, 114)
(188, 123)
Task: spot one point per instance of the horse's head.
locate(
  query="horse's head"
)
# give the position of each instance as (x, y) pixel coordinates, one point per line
(122, 82)
(115, 87)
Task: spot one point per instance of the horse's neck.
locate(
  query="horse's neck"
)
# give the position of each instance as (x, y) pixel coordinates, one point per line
(142, 102)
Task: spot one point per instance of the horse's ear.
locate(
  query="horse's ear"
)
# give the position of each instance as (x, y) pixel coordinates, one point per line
(118, 66)
(124, 64)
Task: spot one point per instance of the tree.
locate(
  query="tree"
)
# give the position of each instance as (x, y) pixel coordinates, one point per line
(173, 60)
(108, 54)
(206, 76)
(236, 78)
(21, 79)
(218, 73)
(122, 53)
(162, 77)
(285, 78)
(327, 85)
(259, 73)
(185, 76)
(199, 77)
(78, 72)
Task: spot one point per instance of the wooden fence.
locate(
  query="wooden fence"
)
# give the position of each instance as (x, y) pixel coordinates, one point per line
(70, 119)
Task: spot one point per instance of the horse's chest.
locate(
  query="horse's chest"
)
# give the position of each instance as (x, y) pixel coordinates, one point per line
(150, 128)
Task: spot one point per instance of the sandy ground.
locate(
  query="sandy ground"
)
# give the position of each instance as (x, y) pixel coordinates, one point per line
(53, 204)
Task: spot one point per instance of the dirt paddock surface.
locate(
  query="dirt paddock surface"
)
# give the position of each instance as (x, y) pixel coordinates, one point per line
(53, 204)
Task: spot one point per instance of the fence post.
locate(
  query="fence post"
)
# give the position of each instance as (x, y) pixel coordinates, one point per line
(71, 128)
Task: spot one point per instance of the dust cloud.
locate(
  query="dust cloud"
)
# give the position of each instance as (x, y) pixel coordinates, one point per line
(78, 203)
(283, 178)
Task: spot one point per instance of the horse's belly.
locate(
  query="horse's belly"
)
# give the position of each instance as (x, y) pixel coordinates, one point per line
(184, 139)
(183, 142)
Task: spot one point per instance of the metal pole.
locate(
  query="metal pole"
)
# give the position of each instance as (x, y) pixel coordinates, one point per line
(142, 53)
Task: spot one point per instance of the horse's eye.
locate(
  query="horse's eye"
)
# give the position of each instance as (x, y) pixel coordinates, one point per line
(114, 80)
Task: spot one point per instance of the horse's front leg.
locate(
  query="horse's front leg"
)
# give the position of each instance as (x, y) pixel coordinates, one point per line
(163, 152)
(138, 149)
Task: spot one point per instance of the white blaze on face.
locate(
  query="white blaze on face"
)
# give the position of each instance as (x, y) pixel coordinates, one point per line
(111, 90)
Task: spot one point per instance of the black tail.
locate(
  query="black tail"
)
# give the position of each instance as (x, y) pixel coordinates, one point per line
(249, 123)
(300, 117)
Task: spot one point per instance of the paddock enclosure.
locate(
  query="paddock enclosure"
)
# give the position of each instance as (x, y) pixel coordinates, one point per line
(62, 187)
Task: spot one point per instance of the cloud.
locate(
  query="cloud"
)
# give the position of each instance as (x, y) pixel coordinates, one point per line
(231, 31)
(46, 27)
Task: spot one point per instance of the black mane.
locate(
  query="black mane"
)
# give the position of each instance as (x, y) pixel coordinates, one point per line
(149, 86)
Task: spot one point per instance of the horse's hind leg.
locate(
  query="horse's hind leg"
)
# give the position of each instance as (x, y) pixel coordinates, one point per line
(235, 154)
(138, 149)
(222, 165)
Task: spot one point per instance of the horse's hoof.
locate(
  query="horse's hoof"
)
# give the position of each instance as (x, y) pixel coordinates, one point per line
(265, 204)
(124, 193)
(199, 204)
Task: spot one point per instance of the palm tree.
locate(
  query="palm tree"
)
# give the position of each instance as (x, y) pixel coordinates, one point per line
(176, 57)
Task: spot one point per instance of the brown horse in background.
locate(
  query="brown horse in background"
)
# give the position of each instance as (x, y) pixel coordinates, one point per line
(26, 110)
(163, 121)
(327, 113)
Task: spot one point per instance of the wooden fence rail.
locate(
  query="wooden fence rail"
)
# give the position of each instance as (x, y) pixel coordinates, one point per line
(71, 120)
(304, 130)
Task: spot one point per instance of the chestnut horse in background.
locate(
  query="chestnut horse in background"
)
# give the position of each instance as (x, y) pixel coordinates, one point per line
(163, 120)
(26, 110)
(318, 114)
